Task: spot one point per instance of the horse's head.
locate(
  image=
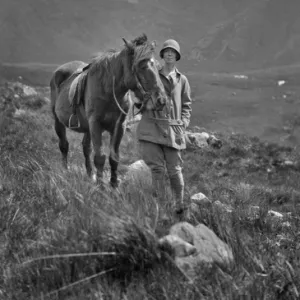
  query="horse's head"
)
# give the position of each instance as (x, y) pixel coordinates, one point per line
(145, 80)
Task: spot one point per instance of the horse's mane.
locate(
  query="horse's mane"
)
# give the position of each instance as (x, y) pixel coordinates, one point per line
(112, 62)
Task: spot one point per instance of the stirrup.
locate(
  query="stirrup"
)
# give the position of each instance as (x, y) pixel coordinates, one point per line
(70, 121)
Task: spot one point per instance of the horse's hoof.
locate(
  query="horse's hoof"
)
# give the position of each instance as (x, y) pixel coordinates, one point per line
(114, 184)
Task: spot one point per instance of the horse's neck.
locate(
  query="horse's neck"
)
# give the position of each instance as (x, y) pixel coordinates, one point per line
(122, 85)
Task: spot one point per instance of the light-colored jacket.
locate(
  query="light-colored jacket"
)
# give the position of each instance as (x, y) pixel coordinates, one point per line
(167, 127)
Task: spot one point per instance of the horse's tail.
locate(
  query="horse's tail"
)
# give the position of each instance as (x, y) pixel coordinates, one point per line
(55, 82)
(53, 90)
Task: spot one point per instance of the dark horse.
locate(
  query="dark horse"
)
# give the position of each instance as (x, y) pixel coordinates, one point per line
(96, 96)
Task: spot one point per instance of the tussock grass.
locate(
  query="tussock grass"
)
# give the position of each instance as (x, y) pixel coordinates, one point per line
(61, 237)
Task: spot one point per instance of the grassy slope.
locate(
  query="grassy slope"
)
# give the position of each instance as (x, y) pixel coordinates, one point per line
(37, 221)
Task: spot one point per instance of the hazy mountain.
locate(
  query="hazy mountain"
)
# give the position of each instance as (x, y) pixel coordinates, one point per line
(264, 32)
(209, 31)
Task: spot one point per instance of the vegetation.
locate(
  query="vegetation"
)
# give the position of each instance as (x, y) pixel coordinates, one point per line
(61, 237)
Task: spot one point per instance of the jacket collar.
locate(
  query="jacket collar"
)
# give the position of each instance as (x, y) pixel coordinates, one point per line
(178, 73)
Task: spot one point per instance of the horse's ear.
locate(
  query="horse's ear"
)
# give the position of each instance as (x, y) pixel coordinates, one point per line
(125, 41)
(128, 45)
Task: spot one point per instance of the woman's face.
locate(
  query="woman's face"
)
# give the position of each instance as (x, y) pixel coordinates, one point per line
(169, 55)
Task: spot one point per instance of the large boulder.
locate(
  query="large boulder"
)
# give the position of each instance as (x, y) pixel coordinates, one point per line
(210, 249)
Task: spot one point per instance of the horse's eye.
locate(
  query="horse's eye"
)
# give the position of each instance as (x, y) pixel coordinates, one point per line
(143, 64)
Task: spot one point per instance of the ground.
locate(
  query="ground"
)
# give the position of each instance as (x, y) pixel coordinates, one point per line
(97, 239)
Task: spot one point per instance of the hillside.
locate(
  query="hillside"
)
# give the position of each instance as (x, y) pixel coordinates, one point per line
(214, 34)
(57, 229)
(263, 33)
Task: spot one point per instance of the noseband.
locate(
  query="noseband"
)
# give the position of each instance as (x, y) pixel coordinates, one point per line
(146, 95)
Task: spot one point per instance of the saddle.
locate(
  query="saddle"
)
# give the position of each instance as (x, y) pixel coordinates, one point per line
(76, 93)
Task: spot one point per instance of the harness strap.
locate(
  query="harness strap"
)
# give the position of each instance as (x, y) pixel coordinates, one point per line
(170, 121)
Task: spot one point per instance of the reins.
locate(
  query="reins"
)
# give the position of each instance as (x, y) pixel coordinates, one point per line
(146, 95)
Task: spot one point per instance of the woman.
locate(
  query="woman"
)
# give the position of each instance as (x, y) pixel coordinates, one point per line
(161, 133)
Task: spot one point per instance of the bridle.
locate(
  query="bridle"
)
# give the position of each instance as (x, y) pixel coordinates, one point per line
(146, 95)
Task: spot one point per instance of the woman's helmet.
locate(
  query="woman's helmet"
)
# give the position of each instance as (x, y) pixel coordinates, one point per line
(170, 44)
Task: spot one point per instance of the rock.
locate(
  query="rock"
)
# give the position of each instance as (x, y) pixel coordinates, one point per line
(138, 172)
(196, 140)
(214, 142)
(272, 213)
(200, 199)
(138, 165)
(24, 90)
(19, 112)
(210, 248)
(177, 246)
(289, 163)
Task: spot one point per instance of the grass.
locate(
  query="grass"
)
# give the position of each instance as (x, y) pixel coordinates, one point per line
(61, 237)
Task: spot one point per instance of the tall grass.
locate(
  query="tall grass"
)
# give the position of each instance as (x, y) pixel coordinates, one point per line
(61, 237)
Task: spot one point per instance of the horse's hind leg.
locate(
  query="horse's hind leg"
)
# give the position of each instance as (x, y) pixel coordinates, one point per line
(96, 137)
(114, 156)
(63, 142)
(86, 146)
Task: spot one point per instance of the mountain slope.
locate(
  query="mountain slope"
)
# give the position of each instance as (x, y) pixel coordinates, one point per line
(264, 32)
(230, 32)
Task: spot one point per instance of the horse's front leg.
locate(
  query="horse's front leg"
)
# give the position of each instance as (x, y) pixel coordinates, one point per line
(96, 131)
(114, 155)
(86, 146)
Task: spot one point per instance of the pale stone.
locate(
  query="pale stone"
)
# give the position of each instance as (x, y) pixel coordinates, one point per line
(180, 247)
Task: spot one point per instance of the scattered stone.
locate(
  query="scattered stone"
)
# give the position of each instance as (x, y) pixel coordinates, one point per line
(286, 224)
(210, 248)
(200, 199)
(289, 163)
(19, 112)
(24, 90)
(196, 140)
(138, 172)
(272, 213)
(138, 165)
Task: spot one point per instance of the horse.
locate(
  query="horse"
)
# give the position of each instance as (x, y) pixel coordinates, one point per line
(93, 98)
